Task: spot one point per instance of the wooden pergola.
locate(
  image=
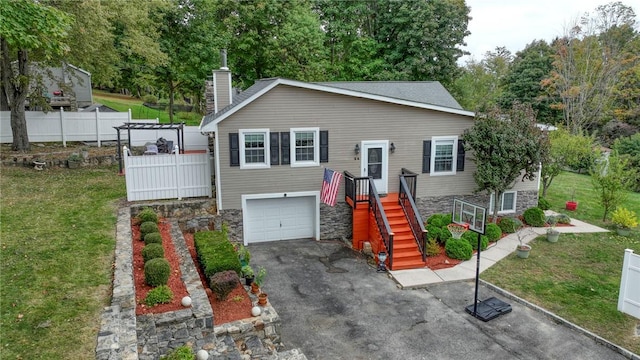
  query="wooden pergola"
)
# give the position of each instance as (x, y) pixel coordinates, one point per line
(178, 127)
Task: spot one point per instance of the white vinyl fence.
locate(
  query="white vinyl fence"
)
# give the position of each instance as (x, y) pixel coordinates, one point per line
(167, 176)
(66, 126)
(61, 126)
(629, 298)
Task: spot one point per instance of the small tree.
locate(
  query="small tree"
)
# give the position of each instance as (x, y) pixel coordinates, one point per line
(506, 146)
(565, 150)
(611, 178)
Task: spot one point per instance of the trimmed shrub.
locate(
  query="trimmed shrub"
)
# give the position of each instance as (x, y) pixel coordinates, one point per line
(544, 204)
(534, 217)
(180, 353)
(493, 232)
(459, 249)
(158, 295)
(445, 235)
(436, 220)
(150, 99)
(433, 232)
(147, 214)
(472, 238)
(148, 227)
(153, 238)
(157, 271)
(215, 252)
(152, 251)
(509, 225)
(222, 283)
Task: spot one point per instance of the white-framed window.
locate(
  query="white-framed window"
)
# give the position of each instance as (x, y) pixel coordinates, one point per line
(254, 149)
(305, 147)
(444, 151)
(507, 202)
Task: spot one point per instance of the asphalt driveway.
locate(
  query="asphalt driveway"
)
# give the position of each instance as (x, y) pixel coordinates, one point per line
(334, 305)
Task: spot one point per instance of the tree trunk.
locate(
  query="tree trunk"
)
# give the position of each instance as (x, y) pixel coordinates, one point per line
(16, 89)
(496, 206)
(171, 95)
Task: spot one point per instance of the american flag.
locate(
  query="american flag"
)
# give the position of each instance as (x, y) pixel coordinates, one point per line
(330, 186)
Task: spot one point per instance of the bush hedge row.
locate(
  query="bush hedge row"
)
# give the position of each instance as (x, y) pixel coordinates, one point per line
(215, 252)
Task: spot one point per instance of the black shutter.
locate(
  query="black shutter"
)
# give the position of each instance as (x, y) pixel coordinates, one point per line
(285, 144)
(460, 160)
(274, 148)
(426, 156)
(234, 149)
(324, 146)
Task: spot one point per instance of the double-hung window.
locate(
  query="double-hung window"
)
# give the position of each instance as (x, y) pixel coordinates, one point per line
(507, 202)
(305, 147)
(443, 155)
(254, 149)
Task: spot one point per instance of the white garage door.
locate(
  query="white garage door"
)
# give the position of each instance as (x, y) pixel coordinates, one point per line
(279, 219)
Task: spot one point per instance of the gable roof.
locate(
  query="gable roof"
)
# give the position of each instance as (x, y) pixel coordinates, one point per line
(421, 94)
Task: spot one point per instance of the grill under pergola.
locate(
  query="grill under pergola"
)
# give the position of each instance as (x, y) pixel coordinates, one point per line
(128, 126)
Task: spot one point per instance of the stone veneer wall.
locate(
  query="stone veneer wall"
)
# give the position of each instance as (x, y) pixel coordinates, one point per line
(430, 205)
(336, 222)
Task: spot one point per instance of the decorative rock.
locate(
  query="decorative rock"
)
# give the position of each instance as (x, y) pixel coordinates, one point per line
(202, 355)
(186, 301)
(255, 311)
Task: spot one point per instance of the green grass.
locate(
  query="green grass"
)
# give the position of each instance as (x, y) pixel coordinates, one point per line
(57, 243)
(577, 278)
(139, 111)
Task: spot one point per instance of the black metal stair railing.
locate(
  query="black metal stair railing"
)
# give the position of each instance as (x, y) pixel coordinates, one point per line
(406, 198)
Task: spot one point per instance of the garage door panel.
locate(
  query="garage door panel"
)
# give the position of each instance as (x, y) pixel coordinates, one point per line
(280, 218)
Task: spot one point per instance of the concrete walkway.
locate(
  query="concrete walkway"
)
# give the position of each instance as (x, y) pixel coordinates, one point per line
(466, 270)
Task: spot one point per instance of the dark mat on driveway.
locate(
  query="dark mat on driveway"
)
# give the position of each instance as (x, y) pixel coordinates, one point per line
(334, 305)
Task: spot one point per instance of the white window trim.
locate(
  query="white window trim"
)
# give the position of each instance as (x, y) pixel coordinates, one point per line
(434, 141)
(267, 155)
(316, 147)
(500, 210)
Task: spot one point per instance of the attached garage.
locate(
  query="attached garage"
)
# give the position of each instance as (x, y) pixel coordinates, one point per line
(272, 217)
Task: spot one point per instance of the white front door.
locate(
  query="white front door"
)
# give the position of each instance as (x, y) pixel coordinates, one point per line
(374, 163)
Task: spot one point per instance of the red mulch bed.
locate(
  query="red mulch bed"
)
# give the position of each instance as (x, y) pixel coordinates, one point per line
(441, 261)
(175, 282)
(237, 306)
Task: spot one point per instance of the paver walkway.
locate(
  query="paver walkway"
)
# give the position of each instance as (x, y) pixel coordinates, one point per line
(466, 270)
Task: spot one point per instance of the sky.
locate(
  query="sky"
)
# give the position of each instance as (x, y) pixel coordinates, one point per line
(516, 23)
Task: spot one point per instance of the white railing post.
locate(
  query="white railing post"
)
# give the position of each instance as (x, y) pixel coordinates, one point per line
(176, 152)
(64, 138)
(129, 118)
(98, 125)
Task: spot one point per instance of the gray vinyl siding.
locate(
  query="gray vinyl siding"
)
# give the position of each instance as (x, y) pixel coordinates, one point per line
(348, 120)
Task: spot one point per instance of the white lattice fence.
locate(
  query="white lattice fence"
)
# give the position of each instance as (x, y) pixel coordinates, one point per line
(167, 176)
(629, 298)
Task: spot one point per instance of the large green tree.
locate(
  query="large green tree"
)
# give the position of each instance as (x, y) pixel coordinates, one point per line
(506, 146)
(565, 151)
(28, 30)
(481, 84)
(611, 178)
(523, 82)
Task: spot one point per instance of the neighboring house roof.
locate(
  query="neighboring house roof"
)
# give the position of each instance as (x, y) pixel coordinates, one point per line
(427, 95)
(93, 107)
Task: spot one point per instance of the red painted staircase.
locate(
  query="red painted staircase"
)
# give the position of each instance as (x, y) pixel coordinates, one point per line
(406, 254)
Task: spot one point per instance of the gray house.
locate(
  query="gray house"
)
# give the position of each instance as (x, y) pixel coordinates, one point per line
(387, 139)
(66, 86)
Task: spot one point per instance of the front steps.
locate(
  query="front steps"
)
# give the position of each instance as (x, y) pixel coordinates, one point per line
(406, 254)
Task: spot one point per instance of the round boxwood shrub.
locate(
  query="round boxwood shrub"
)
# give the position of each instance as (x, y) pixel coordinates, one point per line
(157, 271)
(509, 225)
(459, 249)
(472, 238)
(493, 232)
(153, 238)
(433, 232)
(445, 235)
(148, 227)
(158, 295)
(147, 214)
(534, 217)
(544, 204)
(152, 251)
(436, 220)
